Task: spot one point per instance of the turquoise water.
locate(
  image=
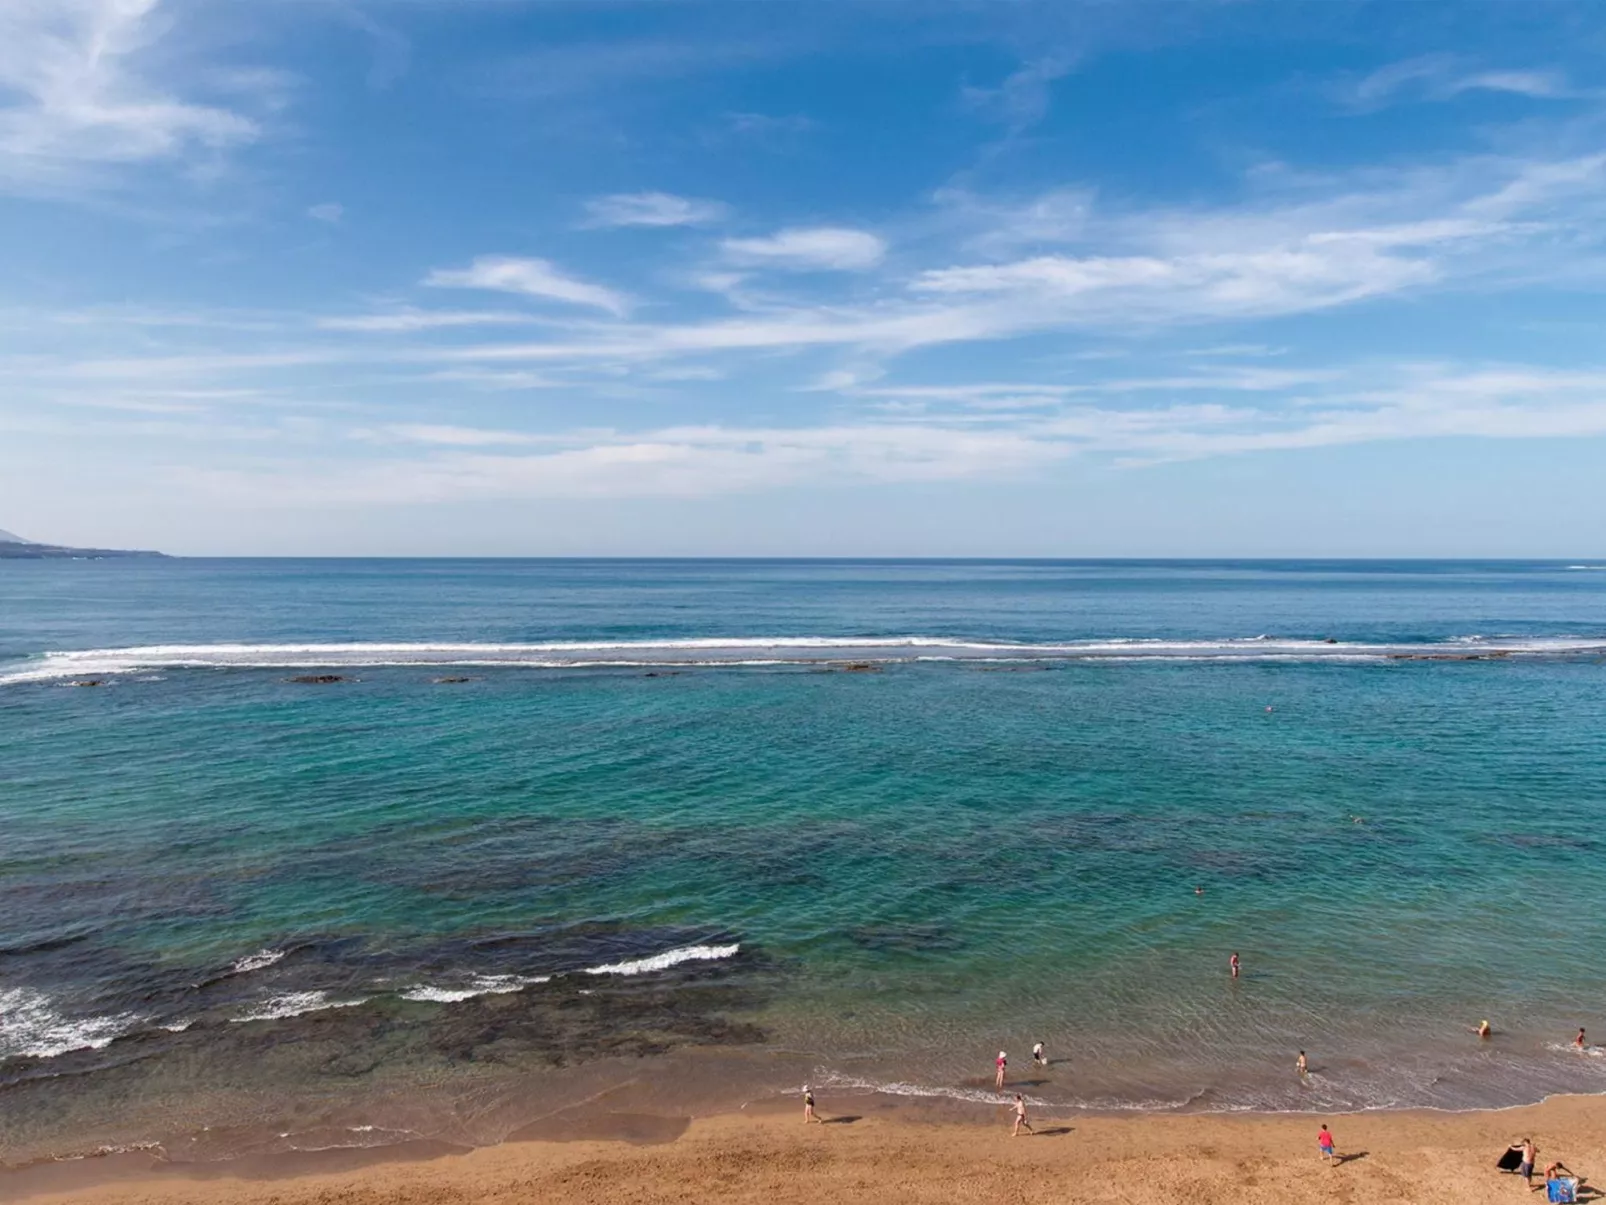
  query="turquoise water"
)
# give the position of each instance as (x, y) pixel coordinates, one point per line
(860, 823)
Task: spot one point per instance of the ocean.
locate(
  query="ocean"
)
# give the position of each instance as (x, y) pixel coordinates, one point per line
(308, 854)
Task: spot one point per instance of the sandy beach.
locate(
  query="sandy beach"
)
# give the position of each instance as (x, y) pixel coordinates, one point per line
(874, 1150)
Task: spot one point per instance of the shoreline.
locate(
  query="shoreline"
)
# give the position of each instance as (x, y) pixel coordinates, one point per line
(881, 1147)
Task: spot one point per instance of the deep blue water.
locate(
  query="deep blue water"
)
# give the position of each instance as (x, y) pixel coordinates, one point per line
(860, 822)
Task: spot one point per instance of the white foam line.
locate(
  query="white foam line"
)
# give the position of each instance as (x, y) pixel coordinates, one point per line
(669, 958)
(294, 1004)
(481, 985)
(255, 962)
(30, 1026)
(93, 663)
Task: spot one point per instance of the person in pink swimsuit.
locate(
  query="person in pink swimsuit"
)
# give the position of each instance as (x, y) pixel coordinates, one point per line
(1002, 1061)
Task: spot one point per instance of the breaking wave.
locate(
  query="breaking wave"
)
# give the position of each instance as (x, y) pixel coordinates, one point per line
(669, 958)
(480, 985)
(294, 1004)
(718, 651)
(256, 962)
(32, 1027)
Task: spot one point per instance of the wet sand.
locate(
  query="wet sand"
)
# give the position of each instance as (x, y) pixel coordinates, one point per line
(873, 1149)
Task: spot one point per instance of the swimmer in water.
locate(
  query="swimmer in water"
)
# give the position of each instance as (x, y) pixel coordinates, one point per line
(1483, 1029)
(1020, 1117)
(1002, 1062)
(1198, 891)
(1302, 1066)
(1233, 963)
(1579, 1040)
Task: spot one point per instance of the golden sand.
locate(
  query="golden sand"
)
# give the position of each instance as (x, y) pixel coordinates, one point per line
(874, 1153)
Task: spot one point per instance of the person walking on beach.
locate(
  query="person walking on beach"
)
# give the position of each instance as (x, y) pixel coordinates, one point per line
(1233, 963)
(808, 1107)
(1325, 1141)
(1020, 1117)
(1038, 1056)
(1525, 1169)
(1302, 1065)
(1003, 1061)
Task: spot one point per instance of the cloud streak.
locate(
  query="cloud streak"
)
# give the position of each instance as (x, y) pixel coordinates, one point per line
(82, 101)
(1387, 402)
(652, 209)
(530, 278)
(803, 249)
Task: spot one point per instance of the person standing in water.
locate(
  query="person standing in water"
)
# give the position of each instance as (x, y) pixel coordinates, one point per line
(1020, 1117)
(808, 1106)
(1002, 1062)
(1579, 1041)
(1302, 1065)
(1233, 963)
(1038, 1056)
(1325, 1141)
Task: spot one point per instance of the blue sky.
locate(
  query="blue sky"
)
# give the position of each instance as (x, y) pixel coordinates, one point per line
(402, 277)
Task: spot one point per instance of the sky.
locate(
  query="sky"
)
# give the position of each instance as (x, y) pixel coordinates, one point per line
(490, 277)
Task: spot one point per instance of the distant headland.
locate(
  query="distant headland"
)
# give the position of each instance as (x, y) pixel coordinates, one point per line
(14, 547)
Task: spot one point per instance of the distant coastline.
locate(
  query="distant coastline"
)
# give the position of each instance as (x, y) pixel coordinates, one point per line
(27, 550)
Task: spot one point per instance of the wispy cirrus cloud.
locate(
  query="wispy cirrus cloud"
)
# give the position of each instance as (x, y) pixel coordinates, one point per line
(652, 209)
(1383, 402)
(408, 320)
(1022, 99)
(810, 248)
(83, 95)
(531, 278)
(1440, 77)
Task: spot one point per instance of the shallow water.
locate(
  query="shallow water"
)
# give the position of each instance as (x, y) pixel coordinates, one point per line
(702, 831)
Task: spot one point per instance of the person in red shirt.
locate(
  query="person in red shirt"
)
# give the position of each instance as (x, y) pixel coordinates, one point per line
(1325, 1141)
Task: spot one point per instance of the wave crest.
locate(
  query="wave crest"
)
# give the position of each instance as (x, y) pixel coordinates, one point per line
(669, 958)
(31, 1027)
(734, 651)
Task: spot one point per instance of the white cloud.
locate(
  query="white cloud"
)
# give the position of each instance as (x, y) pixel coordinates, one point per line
(1440, 77)
(80, 98)
(651, 209)
(448, 436)
(1022, 100)
(328, 211)
(407, 320)
(1541, 85)
(532, 278)
(806, 248)
(1385, 402)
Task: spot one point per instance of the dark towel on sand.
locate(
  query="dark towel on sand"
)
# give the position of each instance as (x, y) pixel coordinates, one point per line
(1511, 1160)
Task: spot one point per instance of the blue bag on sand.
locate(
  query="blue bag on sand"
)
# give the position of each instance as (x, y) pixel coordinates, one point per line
(1563, 1189)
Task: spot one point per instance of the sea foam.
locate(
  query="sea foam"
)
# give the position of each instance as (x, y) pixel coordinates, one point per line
(32, 1026)
(737, 651)
(294, 1004)
(669, 958)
